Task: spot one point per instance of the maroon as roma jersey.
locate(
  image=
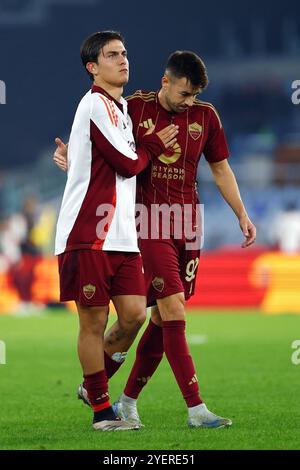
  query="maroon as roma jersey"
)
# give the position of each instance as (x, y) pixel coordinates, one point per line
(171, 177)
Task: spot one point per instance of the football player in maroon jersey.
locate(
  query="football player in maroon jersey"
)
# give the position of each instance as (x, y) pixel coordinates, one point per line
(170, 260)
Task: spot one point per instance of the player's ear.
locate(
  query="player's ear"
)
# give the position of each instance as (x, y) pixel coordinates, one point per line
(165, 81)
(91, 67)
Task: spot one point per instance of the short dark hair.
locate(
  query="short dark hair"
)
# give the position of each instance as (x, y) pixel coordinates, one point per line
(92, 46)
(187, 64)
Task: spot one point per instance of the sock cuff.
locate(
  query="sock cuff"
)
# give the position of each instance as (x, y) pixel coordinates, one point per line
(100, 375)
(101, 406)
(174, 324)
(128, 399)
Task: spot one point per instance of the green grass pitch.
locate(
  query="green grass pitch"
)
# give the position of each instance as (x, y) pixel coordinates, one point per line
(243, 365)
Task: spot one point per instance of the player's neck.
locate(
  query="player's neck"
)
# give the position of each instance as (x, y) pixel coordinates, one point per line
(115, 92)
(162, 100)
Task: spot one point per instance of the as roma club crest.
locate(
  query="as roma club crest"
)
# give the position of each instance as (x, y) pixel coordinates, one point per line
(195, 130)
(89, 291)
(158, 283)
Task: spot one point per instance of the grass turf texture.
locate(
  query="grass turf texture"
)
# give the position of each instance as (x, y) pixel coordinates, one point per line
(244, 369)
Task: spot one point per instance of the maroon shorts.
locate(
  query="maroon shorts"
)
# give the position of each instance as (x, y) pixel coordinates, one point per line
(169, 268)
(93, 277)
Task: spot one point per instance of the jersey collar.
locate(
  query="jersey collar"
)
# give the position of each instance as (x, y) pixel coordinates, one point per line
(121, 105)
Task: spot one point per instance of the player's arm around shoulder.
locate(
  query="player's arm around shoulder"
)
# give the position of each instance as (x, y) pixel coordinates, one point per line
(111, 140)
(114, 144)
(105, 129)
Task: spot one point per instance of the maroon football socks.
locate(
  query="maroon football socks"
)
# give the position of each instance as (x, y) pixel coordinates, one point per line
(110, 365)
(149, 353)
(178, 355)
(171, 340)
(97, 390)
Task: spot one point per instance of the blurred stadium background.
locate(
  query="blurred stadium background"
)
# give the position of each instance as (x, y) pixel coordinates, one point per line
(252, 51)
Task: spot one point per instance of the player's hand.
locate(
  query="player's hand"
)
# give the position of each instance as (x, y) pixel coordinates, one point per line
(166, 135)
(60, 156)
(248, 229)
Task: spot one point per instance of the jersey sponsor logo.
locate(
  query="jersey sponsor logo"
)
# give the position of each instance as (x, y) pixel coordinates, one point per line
(171, 155)
(146, 124)
(158, 283)
(89, 291)
(167, 172)
(195, 130)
